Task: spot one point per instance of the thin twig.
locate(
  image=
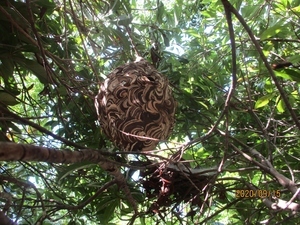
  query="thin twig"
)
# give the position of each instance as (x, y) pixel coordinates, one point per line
(39, 128)
(89, 200)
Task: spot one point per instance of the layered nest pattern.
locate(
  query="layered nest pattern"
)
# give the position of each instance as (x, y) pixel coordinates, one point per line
(135, 106)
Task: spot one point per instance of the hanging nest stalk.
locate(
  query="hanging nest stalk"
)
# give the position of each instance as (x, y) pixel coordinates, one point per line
(135, 106)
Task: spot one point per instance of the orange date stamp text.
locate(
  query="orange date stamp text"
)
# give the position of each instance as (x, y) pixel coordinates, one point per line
(259, 193)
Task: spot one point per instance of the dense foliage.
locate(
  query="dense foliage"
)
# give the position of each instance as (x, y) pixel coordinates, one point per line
(234, 70)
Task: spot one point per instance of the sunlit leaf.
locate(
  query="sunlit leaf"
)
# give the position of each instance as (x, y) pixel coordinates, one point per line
(261, 102)
(289, 74)
(272, 31)
(296, 9)
(280, 105)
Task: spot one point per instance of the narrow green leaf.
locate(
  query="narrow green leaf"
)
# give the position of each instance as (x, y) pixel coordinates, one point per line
(193, 32)
(283, 75)
(70, 169)
(296, 9)
(295, 59)
(284, 3)
(261, 102)
(15, 128)
(6, 68)
(106, 209)
(16, 15)
(142, 221)
(250, 10)
(160, 12)
(37, 69)
(289, 74)
(294, 74)
(52, 123)
(7, 99)
(280, 105)
(272, 31)
(165, 37)
(46, 3)
(133, 3)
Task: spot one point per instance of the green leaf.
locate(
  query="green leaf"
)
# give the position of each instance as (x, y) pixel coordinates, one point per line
(6, 69)
(6, 72)
(7, 99)
(250, 10)
(280, 105)
(133, 3)
(51, 123)
(289, 74)
(160, 11)
(296, 10)
(177, 14)
(15, 128)
(124, 20)
(106, 208)
(46, 3)
(193, 32)
(269, 86)
(70, 169)
(295, 59)
(283, 75)
(142, 220)
(261, 102)
(18, 18)
(165, 37)
(294, 74)
(37, 69)
(272, 31)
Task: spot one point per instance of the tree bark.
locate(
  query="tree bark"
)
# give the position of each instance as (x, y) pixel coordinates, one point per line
(5, 220)
(21, 152)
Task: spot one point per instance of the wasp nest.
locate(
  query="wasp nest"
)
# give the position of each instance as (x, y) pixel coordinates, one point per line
(135, 106)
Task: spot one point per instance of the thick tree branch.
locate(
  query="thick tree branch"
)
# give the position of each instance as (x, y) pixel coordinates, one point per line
(5, 220)
(20, 152)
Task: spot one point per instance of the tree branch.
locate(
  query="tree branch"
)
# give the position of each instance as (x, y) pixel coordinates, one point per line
(265, 165)
(265, 61)
(5, 220)
(233, 51)
(20, 152)
(10, 151)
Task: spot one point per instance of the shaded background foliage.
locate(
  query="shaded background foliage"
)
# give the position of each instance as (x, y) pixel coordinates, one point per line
(54, 54)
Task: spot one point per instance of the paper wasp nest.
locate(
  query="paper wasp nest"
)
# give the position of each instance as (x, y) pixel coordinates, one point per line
(135, 106)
